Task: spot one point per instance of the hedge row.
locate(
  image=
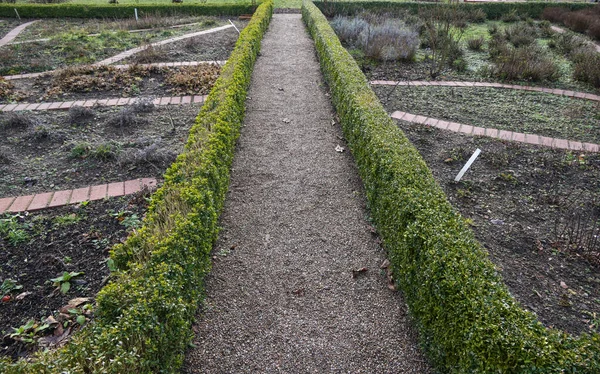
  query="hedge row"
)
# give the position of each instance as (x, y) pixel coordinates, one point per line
(122, 11)
(467, 319)
(144, 315)
(493, 10)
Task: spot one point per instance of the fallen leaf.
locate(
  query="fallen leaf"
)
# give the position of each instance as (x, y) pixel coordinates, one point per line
(78, 301)
(299, 292)
(339, 148)
(563, 285)
(51, 320)
(286, 120)
(356, 273)
(385, 264)
(55, 341)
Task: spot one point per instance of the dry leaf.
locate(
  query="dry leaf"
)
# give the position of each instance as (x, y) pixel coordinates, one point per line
(385, 264)
(356, 273)
(286, 120)
(339, 148)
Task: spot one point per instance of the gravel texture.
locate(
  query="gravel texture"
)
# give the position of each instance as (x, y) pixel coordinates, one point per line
(281, 296)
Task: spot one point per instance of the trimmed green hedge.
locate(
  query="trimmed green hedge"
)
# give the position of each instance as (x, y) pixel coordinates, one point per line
(122, 10)
(467, 319)
(493, 10)
(144, 315)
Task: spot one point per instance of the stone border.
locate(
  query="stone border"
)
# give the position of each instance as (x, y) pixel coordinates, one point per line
(61, 198)
(553, 91)
(131, 52)
(12, 34)
(156, 64)
(495, 133)
(167, 100)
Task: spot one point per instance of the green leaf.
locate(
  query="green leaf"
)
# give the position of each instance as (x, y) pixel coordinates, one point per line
(65, 287)
(81, 319)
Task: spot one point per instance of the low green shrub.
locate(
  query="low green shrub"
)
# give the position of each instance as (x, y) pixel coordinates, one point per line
(468, 321)
(122, 10)
(144, 315)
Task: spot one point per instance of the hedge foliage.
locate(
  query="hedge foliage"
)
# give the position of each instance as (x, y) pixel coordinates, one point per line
(122, 10)
(467, 319)
(493, 10)
(144, 315)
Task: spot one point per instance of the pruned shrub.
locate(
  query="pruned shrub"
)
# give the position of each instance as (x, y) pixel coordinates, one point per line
(554, 14)
(348, 29)
(151, 154)
(569, 44)
(389, 42)
(510, 17)
(150, 54)
(79, 114)
(18, 121)
(5, 157)
(143, 105)
(587, 67)
(525, 63)
(521, 34)
(475, 44)
(126, 117)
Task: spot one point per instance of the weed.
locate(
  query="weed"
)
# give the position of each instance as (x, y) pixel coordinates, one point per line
(27, 332)
(105, 151)
(80, 115)
(39, 133)
(80, 150)
(67, 219)
(128, 219)
(63, 283)
(8, 286)
(508, 177)
(6, 88)
(14, 231)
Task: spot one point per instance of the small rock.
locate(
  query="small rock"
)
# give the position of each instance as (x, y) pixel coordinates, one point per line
(563, 285)
(497, 221)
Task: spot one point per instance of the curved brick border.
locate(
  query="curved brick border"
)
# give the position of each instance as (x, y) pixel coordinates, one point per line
(495, 133)
(60, 198)
(128, 53)
(560, 30)
(156, 64)
(168, 100)
(553, 91)
(12, 34)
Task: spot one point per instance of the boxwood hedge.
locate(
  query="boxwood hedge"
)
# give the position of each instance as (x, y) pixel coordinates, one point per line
(144, 315)
(121, 10)
(493, 10)
(467, 319)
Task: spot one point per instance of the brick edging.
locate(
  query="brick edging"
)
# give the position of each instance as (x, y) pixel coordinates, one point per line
(12, 34)
(495, 133)
(124, 66)
(120, 101)
(61, 198)
(131, 52)
(553, 91)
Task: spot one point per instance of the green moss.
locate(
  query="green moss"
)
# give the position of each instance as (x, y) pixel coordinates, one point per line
(468, 321)
(144, 315)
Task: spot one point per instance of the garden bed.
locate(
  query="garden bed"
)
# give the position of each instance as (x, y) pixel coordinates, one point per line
(77, 42)
(38, 247)
(523, 202)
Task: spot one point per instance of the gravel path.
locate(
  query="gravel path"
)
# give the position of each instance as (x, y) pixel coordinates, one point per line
(281, 296)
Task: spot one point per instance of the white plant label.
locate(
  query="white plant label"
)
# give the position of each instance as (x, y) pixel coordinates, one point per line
(467, 165)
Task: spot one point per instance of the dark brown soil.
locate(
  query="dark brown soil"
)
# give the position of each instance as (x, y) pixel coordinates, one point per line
(56, 150)
(519, 199)
(70, 239)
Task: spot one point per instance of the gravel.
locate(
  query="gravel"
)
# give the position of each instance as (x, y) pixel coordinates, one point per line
(281, 296)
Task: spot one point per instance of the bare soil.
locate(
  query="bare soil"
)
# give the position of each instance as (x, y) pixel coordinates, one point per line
(536, 211)
(74, 238)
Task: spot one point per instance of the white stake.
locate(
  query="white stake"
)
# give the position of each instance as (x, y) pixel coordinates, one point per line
(136, 17)
(467, 165)
(18, 16)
